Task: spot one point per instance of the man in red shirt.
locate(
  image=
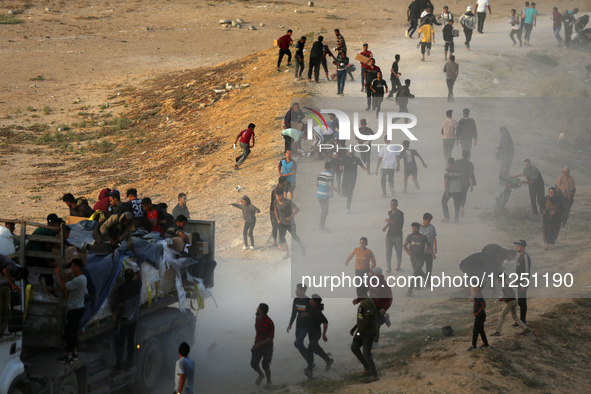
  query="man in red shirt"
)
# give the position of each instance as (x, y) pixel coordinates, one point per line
(284, 43)
(244, 136)
(154, 217)
(366, 53)
(263, 344)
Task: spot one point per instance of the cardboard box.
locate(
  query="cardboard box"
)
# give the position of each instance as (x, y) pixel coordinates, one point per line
(276, 43)
(74, 219)
(362, 58)
(178, 244)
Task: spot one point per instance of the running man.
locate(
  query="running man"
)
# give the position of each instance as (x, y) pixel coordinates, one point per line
(410, 165)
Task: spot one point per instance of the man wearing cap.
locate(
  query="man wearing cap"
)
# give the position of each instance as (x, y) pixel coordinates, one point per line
(523, 271)
(367, 53)
(245, 137)
(481, 7)
(76, 288)
(535, 182)
(468, 22)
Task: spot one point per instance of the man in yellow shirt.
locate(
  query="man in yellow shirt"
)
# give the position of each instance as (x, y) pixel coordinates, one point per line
(428, 37)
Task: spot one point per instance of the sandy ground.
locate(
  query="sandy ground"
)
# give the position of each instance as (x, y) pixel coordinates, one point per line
(90, 50)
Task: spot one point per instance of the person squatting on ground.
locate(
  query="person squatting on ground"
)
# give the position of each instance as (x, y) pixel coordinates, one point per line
(249, 212)
(363, 334)
(394, 224)
(263, 344)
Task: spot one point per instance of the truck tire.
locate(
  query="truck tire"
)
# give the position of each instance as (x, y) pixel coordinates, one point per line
(170, 348)
(149, 367)
(68, 384)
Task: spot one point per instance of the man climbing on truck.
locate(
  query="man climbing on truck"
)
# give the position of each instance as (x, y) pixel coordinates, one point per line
(76, 288)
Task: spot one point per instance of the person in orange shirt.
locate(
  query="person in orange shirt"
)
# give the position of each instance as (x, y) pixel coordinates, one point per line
(365, 261)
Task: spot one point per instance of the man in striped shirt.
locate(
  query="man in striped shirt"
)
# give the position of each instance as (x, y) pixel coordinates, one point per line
(325, 184)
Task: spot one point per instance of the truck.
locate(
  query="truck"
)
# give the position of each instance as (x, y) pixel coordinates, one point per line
(31, 329)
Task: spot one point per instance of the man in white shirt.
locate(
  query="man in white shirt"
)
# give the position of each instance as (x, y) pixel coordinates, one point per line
(387, 159)
(481, 6)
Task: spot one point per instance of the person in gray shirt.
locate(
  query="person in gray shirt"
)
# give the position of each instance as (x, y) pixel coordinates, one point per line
(181, 208)
(453, 189)
(184, 371)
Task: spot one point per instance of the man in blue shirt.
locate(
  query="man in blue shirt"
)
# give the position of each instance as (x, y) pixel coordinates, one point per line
(288, 169)
(325, 184)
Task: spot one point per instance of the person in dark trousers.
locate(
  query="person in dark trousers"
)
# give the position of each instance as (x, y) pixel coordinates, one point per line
(75, 288)
(381, 295)
(523, 271)
(128, 313)
(300, 313)
(341, 62)
(468, 22)
(316, 319)
(451, 70)
(371, 73)
(363, 334)
(245, 136)
(481, 7)
(315, 59)
(285, 210)
(387, 164)
(367, 53)
(325, 186)
(284, 42)
(325, 54)
(413, 13)
(466, 169)
(448, 38)
(403, 95)
(505, 152)
(407, 156)
(378, 87)
(395, 77)
(12, 272)
(568, 20)
(428, 230)
(288, 168)
(566, 187)
(466, 131)
(263, 344)
(299, 58)
(516, 29)
(394, 225)
(350, 164)
(365, 155)
(78, 206)
(279, 189)
(479, 319)
(452, 189)
(249, 212)
(294, 118)
(415, 245)
(535, 182)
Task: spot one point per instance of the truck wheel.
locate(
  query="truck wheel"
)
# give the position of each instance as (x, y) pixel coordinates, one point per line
(69, 384)
(170, 348)
(150, 362)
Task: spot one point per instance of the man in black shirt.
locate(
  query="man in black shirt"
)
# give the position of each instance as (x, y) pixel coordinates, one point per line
(378, 87)
(395, 77)
(316, 319)
(300, 309)
(466, 131)
(413, 13)
(134, 205)
(341, 62)
(394, 225)
(350, 164)
(128, 313)
(279, 189)
(523, 271)
(365, 155)
(315, 59)
(78, 206)
(299, 58)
